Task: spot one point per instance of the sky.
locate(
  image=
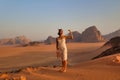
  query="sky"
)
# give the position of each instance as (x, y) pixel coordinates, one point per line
(38, 19)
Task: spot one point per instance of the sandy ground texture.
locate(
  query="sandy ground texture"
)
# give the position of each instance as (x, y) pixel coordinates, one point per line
(40, 63)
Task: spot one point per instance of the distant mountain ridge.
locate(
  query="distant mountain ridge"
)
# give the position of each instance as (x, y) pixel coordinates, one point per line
(91, 34)
(19, 40)
(111, 35)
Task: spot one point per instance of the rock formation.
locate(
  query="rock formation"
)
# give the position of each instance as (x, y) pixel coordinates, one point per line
(115, 48)
(113, 42)
(92, 34)
(50, 40)
(116, 59)
(110, 51)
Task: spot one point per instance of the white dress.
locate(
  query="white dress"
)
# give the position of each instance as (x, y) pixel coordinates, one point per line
(62, 48)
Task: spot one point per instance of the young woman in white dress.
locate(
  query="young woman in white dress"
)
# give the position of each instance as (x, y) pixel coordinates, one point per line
(62, 48)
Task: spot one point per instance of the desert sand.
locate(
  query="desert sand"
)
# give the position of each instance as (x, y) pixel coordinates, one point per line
(40, 63)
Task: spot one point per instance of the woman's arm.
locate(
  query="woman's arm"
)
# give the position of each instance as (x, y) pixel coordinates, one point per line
(70, 36)
(57, 49)
(57, 44)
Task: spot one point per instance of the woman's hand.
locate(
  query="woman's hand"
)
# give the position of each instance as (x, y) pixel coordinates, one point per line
(70, 34)
(58, 53)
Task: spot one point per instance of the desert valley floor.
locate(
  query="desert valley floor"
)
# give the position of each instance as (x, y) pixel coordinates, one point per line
(40, 63)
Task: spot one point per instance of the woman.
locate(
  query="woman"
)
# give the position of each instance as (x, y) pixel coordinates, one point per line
(61, 47)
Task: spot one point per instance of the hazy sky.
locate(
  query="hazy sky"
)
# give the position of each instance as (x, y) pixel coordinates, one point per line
(37, 19)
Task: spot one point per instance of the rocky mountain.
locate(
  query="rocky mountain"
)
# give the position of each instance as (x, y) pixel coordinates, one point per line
(15, 41)
(50, 40)
(114, 49)
(111, 35)
(92, 34)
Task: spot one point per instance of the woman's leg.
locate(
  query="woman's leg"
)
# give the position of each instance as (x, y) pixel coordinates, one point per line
(64, 65)
(64, 61)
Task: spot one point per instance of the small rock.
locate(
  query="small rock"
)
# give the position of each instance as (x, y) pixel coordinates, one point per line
(117, 59)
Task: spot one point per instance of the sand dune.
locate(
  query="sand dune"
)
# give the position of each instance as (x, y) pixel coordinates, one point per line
(37, 63)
